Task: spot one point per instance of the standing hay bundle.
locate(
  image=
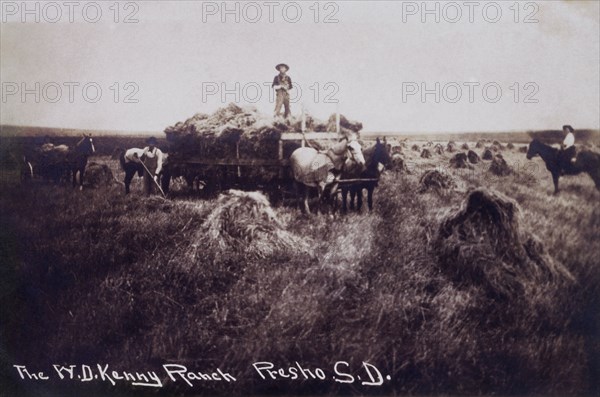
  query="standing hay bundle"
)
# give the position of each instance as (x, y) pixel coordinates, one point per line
(451, 147)
(480, 143)
(499, 166)
(415, 148)
(482, 244)
(438, 149)
(244, 223)
(426, 154)
(523, 149)
(396, 149)
(465, 146)
(97, 175)
(459, 160)
(398, 163)
(498, 145)
(510, 146)
(487, 154)
(435, 180)
(473, 157)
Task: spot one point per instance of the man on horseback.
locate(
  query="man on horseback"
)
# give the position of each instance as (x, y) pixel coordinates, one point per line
(567, 150)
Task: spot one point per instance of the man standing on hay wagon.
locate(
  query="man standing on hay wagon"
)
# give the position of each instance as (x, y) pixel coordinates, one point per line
(282, 83)
(151, 159)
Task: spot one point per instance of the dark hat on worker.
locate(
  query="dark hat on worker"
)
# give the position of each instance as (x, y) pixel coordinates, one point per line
(152, 141)
(568, 127)
(284, 65)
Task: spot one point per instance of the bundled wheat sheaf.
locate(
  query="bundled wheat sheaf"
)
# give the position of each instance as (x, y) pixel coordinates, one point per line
(435, 180)
(244, 222)
(473, 157)
(98, 175)
(499, 166)
(487, 154)
(482, 244)
(459, 160)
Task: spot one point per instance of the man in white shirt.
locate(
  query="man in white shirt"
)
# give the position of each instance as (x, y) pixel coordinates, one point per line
(151, 157)
(569, 138)
(567, 148)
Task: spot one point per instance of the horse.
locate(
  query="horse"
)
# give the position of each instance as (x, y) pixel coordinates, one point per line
(586, 161)
(77, 158)
(48, 161)
(377, 158)
(312, 168)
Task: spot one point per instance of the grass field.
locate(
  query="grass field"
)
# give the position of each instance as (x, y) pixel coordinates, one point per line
(99, 277)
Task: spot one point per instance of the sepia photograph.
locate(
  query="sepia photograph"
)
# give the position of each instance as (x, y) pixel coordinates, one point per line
(299, 198)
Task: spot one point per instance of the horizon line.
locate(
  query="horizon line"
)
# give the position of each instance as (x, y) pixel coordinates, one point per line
(366, 132)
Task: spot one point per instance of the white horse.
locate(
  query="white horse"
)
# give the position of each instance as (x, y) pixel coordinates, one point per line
(312, 168)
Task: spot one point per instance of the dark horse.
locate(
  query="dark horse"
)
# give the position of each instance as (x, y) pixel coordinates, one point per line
(558, 165)
(77, 158)
(377, 158)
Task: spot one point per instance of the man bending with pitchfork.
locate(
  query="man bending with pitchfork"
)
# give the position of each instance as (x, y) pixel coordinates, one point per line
(151, 160)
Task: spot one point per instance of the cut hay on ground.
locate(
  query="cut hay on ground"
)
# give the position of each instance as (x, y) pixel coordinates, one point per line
(244, 222)
(459, 160)
(426, 154)
(435, 180)
(473, 157)
(499, 166)
(482, 244)
(487, 154)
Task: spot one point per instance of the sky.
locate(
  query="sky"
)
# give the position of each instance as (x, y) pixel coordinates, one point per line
(145, 65)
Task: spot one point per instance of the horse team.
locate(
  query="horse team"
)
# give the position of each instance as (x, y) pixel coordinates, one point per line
(327, 171)
(56, 162)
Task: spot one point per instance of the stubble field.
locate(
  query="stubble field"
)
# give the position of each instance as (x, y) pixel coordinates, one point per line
(99, 277)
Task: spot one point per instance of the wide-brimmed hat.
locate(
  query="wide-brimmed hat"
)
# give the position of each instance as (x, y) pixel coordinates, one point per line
(284, 65)
(152, 141)
(568, 128)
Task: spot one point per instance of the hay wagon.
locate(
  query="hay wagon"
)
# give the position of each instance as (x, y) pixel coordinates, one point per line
(240, 167)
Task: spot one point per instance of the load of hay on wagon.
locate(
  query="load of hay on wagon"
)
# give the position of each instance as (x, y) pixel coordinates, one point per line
(234, 132)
